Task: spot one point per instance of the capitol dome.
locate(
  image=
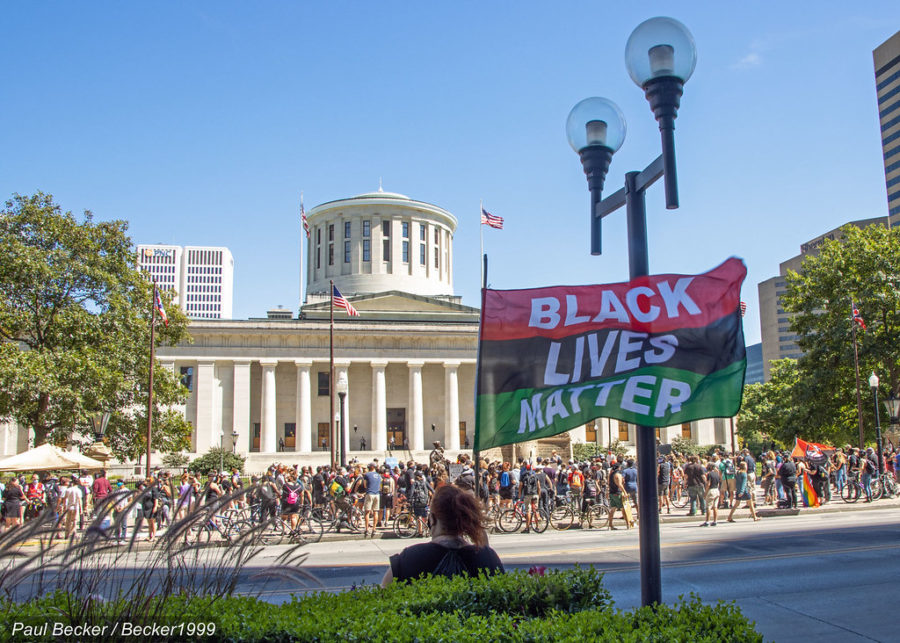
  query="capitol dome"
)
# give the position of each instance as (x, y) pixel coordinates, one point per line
(378, 242)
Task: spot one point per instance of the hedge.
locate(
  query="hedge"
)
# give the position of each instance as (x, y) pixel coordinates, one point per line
(568, 605)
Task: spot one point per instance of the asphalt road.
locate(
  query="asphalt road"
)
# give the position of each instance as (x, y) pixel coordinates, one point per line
(812, 576)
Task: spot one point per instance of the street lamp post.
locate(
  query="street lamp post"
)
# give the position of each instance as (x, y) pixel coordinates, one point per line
(234, 438)
(660, 56)
(341, 389)
(873, 384)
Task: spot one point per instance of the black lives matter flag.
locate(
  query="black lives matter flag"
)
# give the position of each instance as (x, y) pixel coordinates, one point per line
(656, 351)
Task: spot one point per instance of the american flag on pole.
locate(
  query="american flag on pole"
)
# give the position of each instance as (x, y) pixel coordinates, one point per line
(491, 220)
(340, 302)
(743, 308)
(857, 318)
(304, 219)
(159, 306)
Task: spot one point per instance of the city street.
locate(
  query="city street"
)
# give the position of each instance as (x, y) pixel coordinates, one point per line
(828, 575)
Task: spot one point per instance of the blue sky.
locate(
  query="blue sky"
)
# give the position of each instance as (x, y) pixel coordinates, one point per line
(201, 122)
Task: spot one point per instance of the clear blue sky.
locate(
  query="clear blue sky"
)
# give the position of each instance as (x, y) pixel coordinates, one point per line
(201, 122)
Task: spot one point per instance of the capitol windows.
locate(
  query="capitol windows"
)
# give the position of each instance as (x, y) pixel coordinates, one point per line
(330, 244)
(422, 254)
(386, 243)
(318, 248)
(323, 383)
(367, 240)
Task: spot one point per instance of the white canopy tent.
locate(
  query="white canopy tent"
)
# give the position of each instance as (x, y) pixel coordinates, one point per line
(46, 458)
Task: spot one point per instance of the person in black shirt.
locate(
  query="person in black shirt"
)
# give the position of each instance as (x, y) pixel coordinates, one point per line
(459, 541)
(788, 475)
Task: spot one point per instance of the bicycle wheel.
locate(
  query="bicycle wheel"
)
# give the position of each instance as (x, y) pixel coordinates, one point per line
(309, 530)
(562, 518)
(405, 525)
(850, 492)
(877, 488)
(539, 521)
(680, 498)
(197, 535)
(509, 521)
(597, 516)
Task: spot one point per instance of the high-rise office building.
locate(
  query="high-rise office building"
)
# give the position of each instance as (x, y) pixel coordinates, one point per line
(778, 341)
(887, 85)
(202, 277)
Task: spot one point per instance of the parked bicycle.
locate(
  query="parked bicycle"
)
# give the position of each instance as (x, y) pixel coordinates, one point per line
(563, 516)
(511, 520)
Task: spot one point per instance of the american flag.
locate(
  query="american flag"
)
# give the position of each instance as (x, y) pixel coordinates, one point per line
(743, 308)
(304, 219)
(857, 317)
(159, 306)
(491, 220)
(340, 302)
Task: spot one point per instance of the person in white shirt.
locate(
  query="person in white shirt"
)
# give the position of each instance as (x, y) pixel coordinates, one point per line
(70, 499)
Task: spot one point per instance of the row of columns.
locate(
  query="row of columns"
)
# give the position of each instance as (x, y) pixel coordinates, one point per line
(206, 418)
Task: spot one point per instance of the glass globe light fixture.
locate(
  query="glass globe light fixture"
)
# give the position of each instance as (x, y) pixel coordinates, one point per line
(660, 47)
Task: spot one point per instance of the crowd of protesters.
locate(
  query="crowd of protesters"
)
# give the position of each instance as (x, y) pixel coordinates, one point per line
(721, 480)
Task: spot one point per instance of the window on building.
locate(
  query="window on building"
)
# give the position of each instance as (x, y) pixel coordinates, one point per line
(422, 254)
(405, 250)
(187, 377)
(366, 229)
(367, 250)
(330, 254)
(386, 243)
(330, 232)
(422, 234)
(347, 251)
(437, 235)
(323, 382)
(346, 229)
(404, 229)
(623, 431)
(590, 432)
(686, 430)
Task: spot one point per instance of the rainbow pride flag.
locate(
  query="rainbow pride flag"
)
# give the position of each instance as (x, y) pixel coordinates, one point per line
(808, 492)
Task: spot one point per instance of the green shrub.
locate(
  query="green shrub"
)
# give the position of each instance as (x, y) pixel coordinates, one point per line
(216, 457)
(569, 605)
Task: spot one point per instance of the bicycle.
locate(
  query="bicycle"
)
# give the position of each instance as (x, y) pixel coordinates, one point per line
(563, 516)
(511, 520)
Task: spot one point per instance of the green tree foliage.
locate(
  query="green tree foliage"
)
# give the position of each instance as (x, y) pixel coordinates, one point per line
(863, 265)
(75, 331)
(216, 457)
(768, 408)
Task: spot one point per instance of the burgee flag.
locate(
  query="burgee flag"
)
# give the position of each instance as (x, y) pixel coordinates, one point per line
(491, 220)
(304, 220)
(341, 302)
(656, 351)
(159, 307)
(857, 318)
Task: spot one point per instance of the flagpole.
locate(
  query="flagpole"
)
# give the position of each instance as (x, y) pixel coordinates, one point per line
(862, 438)
(302, 236)
(150, 384)
(331, 374)
(481, 231)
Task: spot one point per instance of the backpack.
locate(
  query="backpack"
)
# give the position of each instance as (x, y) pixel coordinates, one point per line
(529, 484)
(729, 467)
(336, 490)
(292, 496)
(451, 564)
(419, 494)
(590, 487)
(386, 486)
(871, 467)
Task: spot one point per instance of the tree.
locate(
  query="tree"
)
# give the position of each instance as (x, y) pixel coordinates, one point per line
(768, 409)
(862, 266)
(215, 458)
(75, 331)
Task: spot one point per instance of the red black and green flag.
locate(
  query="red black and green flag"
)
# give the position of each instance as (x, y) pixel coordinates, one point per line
(655, 351)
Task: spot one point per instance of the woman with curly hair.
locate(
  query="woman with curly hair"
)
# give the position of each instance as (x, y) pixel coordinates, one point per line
(459, 541)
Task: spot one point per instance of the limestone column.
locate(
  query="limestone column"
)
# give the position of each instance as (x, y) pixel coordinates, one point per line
(416, 419)
(267, 427)
(379, 407)
(204, 387)
(303, 418)
(451, 409)
(241, 407)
